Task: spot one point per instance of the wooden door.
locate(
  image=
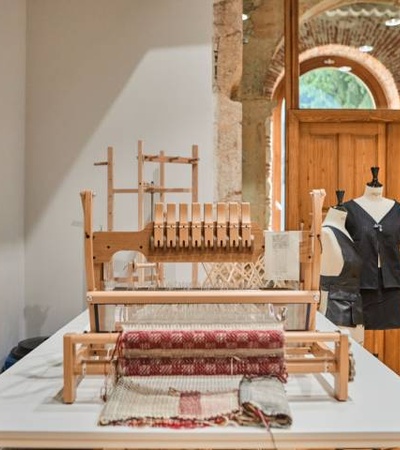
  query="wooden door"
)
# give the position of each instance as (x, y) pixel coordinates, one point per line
(330, 155)
(335, 149)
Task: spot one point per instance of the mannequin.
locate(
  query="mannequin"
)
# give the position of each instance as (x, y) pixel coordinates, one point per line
(372, 201)
(373, 222)
(332, 264)
(340, 272)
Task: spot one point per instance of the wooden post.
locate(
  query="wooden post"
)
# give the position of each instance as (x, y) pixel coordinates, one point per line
(162, 176)
(292, 54)
(183, 231)
(140, 157)
(341, 375)
(69, 391)
(195, 199)
(160, 267)
(140, 185)
(318, 197)
(110, 189)
(195, 173)
(87, 204)
(291, 25)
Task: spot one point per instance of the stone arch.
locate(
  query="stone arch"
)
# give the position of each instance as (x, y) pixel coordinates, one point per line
(367, 28)
(369, 69)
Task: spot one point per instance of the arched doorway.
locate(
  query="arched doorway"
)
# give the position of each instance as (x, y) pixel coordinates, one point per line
(368, 78)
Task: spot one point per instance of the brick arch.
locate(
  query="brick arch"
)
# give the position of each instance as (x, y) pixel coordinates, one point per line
(327, 5)
(318, 30)
(369, 69)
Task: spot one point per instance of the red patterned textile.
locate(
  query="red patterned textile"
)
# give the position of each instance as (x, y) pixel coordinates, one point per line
(250, 366)
(197, 401)
(201, 339)
(177, 402)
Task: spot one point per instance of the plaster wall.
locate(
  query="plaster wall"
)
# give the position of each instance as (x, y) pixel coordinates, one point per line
(12, 132)
(102, 73)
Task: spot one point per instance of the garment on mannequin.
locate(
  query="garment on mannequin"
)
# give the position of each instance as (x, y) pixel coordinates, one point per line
(373, 222)
(340, 272)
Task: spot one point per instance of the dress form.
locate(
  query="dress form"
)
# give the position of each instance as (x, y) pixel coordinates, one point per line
(332, 258)
(337, 258)
(374, 203)
(373, 222)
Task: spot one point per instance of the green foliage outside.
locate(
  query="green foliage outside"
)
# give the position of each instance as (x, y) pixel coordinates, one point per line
(333, 89)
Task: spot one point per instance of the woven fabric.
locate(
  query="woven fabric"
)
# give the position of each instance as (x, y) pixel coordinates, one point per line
(264, 400)
(227, 342)
(202, 315)
(172, 402)
(201, 339)
(250, 366)
(197, 401)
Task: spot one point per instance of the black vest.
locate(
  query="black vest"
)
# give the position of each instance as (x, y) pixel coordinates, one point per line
(344, 305)
(376, 238)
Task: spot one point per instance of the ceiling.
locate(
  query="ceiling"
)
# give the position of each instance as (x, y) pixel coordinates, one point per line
(351, 26)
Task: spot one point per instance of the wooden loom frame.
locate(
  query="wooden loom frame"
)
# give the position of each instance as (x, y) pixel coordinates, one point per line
(307, 352)
(222, 240)
(202, 240)
(144, 187)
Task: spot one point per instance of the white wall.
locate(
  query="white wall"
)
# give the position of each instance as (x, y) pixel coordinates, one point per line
(99, 73)
(12, 132)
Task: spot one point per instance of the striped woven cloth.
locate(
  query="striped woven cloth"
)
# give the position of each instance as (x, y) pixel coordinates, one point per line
(220, 351)
(250, 366)
(197, 401)
(201, 339)
(177, 402)
(190, 376)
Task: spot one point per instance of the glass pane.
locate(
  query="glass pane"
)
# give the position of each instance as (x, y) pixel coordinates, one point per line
(334, 89)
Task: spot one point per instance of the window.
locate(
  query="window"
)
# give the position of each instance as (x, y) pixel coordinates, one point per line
(334, 88)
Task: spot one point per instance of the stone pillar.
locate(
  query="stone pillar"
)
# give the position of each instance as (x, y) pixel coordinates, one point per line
(257, 158)
(262, 33)
(228, 110)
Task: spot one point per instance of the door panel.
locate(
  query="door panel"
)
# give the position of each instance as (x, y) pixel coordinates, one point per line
(357, 153)
(319, 153)
(335, 150)
(330, 154)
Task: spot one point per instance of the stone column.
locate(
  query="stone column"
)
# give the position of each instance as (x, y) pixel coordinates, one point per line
(262, 33)
(256, 176)
(228, 110)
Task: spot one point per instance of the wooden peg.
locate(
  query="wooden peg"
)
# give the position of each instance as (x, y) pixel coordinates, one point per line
(221, 224)
(246, 225)
(158, 233)
(208, 225)
(317, 201)
(87, 204)
(233, 225)
(196, 225)
(171, 225)
(183, 225)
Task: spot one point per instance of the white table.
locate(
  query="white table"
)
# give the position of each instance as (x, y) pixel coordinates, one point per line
(33, 415)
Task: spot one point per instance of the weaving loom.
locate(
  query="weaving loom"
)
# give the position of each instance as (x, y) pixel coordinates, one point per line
(193, 375)
(230, 237)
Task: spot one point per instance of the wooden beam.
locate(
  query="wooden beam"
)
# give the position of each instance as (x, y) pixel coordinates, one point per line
(292, 69)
